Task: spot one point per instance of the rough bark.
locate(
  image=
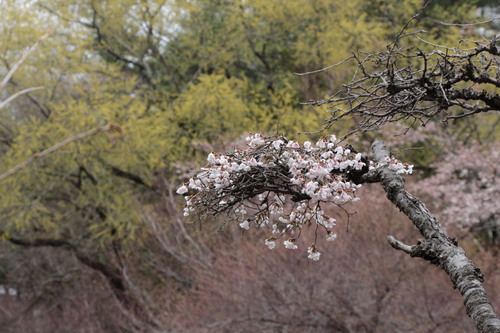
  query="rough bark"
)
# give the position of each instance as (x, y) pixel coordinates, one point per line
(436, 247)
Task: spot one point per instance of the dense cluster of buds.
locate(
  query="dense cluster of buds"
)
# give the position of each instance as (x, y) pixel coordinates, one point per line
(281, 185)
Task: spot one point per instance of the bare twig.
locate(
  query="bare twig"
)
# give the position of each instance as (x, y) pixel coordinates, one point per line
(326, 68)
(466, 24)
(416, 15)
(21, 61)
(408, 84)
(59, 145)
(16, 95)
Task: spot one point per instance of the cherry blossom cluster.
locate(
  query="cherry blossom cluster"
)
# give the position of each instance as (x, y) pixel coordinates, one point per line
(279, 184)
(395, 165)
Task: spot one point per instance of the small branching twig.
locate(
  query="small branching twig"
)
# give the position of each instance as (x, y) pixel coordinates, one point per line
(407, 84)
(59, 145)
(14, 68)
(21, 60)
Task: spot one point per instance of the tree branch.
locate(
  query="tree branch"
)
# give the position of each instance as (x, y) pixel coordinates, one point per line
(398, 245)
(16, 95)
(113, 276)
(57, 146)
(21, 61)
(406, 83)
(436, 247)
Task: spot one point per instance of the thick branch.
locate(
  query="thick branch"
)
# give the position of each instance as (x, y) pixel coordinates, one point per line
(437, 247)
(113, 276)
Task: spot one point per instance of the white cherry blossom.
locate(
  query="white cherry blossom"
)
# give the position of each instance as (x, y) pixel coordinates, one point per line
(245, 225)
(270, 243)
(280, 185)
(331, 236)
(313, 254)
(183, 189)
(290, 245)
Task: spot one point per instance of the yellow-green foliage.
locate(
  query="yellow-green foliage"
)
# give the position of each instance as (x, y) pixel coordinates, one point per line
(209, 108)
(174, 75)
(69, 189)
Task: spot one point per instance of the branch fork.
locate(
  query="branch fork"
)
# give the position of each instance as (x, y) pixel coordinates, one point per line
(436, 246)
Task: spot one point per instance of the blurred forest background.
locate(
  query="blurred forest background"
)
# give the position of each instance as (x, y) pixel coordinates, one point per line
(92, 237)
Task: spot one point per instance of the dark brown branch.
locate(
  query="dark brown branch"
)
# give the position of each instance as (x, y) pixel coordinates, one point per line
(406, 83)
(113, 276)
(127, 175)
